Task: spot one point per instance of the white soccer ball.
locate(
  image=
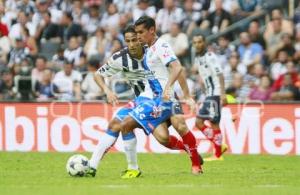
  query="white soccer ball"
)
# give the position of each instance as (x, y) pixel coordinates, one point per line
(77, 165)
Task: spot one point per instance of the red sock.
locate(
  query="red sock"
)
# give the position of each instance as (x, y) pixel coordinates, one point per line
(175, 144)
(189, 142)
(215, 136)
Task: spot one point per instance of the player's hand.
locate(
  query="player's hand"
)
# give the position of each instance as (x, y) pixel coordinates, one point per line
(112, 97)
(167, 94)
(223, 100)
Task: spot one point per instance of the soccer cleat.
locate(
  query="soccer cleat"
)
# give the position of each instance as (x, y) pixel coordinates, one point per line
(131, 173)
(224, 148)
(214, 158)
(91, 172)
(197, 170)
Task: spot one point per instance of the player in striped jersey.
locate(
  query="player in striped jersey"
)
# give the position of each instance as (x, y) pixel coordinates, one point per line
(129, 62)
(210, 71)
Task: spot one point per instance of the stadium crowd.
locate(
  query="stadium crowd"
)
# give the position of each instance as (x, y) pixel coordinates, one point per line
(50, 49)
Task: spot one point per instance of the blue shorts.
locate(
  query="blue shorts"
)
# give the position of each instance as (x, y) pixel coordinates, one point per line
(149, 113)
(211, 109)
(123, 112)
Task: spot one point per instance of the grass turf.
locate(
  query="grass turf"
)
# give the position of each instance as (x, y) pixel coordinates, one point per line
(44, 173)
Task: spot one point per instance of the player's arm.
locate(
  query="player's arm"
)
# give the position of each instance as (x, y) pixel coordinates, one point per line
(185, 89)
(217, 70)
(175, 70)
(111, 96)
(222, 86)
(107, 70)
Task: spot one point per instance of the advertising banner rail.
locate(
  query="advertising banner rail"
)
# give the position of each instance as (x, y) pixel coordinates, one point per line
(69, 127)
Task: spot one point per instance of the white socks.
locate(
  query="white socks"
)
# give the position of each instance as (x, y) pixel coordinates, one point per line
(105, 142)
(130, 141)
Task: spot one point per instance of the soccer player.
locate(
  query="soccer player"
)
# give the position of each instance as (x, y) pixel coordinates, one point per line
(209, 69)
(129, 62)
(160, 103)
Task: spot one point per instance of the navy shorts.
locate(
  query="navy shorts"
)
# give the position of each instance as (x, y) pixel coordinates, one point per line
(211, 109)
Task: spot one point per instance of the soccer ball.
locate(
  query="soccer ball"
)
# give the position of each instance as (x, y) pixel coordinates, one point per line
(77, 165)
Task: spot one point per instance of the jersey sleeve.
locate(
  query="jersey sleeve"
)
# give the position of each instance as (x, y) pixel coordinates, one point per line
(165, 53)
(214, 63)
(111, 67)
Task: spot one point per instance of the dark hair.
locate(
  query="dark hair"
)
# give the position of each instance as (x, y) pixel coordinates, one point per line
(147, 21)
(200, 35)
(41, 57)
(129, 29)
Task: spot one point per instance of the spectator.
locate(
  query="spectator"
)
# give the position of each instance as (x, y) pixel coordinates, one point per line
(218, 20)
(38, 72)
(74, 51)
(297, 45)
(250, 53)
(263, 91)
(286, 44)
(255, 34)
(5, 47)
(68, 82)
(168, 15)
(42, 7)
(242, 87)
(279, 66)
(224, 49)
(68, 28)
(245, 8)
(178, 41)
(192, 14)
(46, 30)
(17, 30)
(111, 18)
(274, 31)
(287, 91)
(58, 60)
(91, 91)
(291, 70)
(95, 45)
(7, 85)
(18, 53)
(30, 43)
(77, 11)
(26, 6)
(143, 8)
(283, 25)
(233, 67)
(45, 90)
(91, 21)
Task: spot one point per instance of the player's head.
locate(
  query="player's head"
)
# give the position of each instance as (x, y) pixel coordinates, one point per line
(145, 28)
(134, 45)
(199, 43)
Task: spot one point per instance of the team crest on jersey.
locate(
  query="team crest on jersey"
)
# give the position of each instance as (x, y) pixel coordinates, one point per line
(157, 111)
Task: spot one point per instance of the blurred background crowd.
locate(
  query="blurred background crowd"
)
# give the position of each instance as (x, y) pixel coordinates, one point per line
(50, 49)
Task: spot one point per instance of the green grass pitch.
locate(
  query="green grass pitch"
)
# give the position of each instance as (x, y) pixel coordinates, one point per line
(44, 173)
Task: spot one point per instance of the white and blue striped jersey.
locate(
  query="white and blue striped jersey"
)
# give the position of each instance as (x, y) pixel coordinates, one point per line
(209, 69)
(156, 60)
(130, 69)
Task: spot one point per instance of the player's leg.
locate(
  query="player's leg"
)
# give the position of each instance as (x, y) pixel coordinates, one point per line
(189, 142)
(105, 142)
(127, 127)
(211, 111)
